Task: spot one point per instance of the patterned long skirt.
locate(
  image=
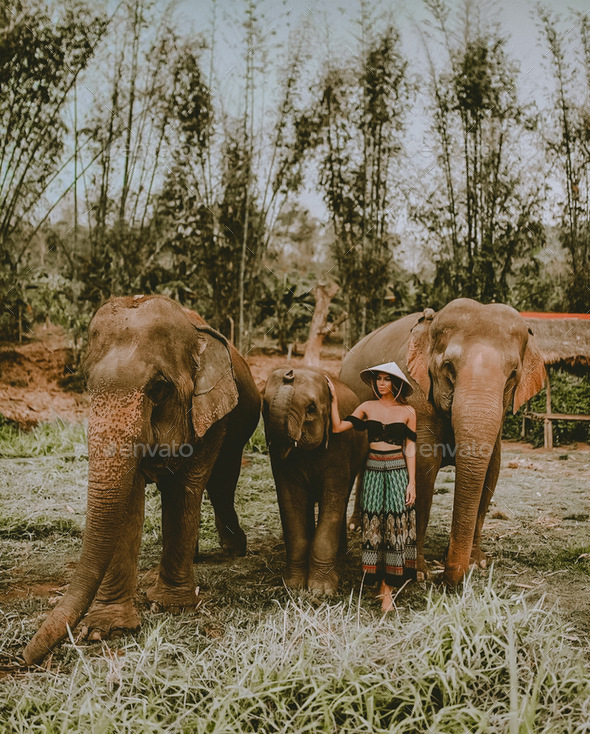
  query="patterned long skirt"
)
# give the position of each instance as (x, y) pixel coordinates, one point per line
(389, 526)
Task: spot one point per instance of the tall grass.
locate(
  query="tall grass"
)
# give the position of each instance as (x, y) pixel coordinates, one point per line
(48, 439)
(257, 441)
(477, 661)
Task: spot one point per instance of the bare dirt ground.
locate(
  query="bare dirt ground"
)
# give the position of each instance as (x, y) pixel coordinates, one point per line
(29, 380)
(30, 374)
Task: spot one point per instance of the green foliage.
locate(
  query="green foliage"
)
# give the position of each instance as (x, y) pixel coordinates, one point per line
(40, 59)
(51, 296)
(286, 307)
(570, 395)
(15, 317)
(41, 56)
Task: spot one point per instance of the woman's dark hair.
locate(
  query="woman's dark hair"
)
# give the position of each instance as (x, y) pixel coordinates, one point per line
(395, 383)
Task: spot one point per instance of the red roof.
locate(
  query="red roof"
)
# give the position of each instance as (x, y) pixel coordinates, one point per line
(540, 315)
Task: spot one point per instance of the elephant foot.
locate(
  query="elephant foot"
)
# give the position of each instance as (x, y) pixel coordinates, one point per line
(172, 598)
(478, 558)
(453, 575)
(234, 544)
(296, 579)
(422, 570)
(107, 621)
(325, 584)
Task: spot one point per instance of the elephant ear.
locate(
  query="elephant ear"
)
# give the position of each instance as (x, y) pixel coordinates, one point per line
(419, 350)
(215, 391)
(532, 376)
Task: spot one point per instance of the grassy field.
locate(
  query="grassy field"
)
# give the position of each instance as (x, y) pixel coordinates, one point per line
(508, 652)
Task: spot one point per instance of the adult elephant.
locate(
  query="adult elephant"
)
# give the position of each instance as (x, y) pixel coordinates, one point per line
(311, 465)
(171, 402)
(467, 363)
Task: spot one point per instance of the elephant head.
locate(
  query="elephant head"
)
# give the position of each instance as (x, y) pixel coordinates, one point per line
(473, 361)
(296, 409)
(158, 380)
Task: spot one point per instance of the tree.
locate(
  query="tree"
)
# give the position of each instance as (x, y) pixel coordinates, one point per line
(128, 128)
(568, 146)
(226, 188)
(482, 210)
(357, 126)
(41, 58)
(323, 293)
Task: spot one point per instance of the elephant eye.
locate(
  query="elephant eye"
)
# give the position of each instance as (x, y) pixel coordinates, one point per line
(449, 368)
(158, 389)
(311, 409)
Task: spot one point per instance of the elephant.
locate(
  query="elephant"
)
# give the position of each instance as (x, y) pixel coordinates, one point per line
(467, 363)
(311, 465)
(173, 403)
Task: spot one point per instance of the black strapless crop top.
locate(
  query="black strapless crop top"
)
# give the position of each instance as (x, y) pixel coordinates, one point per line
(387, 432)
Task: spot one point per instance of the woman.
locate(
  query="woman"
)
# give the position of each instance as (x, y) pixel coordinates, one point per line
(389, 481)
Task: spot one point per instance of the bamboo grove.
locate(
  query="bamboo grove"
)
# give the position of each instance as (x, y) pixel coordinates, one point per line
(128, 163)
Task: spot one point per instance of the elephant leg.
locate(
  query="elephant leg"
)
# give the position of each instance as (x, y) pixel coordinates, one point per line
(113, 611)
(181, 513)
(323, 575)
(297, 518)
(221, 489)
(426, 472)
(343, 542)
(478, 557)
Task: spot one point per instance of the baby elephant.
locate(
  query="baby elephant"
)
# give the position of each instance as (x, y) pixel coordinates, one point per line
(310, 464)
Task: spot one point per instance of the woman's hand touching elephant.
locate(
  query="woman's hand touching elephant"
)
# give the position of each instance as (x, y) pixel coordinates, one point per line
(410, 493)
(331, 387)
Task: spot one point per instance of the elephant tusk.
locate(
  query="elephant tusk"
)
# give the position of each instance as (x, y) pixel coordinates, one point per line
(295, 444)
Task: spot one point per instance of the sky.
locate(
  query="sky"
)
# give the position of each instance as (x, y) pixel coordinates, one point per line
(334, 23)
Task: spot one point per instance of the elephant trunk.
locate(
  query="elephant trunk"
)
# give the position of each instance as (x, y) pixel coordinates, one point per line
(111, 475)
(283, 424)
(476, 425)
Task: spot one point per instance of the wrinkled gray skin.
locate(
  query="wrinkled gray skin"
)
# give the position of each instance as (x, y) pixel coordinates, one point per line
(310, 464)
(159, 377)
(467, 363)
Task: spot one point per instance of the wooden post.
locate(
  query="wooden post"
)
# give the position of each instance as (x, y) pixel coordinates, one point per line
(548, 426)
(523, 427)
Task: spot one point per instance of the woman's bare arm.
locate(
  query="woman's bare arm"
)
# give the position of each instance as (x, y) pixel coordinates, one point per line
(410, 454)
(339, 425)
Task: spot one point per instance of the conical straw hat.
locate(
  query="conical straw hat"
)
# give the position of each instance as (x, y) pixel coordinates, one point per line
(391, 368)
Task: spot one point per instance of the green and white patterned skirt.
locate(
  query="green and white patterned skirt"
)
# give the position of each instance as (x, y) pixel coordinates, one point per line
(389, 526)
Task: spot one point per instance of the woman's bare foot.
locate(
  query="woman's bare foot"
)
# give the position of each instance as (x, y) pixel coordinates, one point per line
(387, 603)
